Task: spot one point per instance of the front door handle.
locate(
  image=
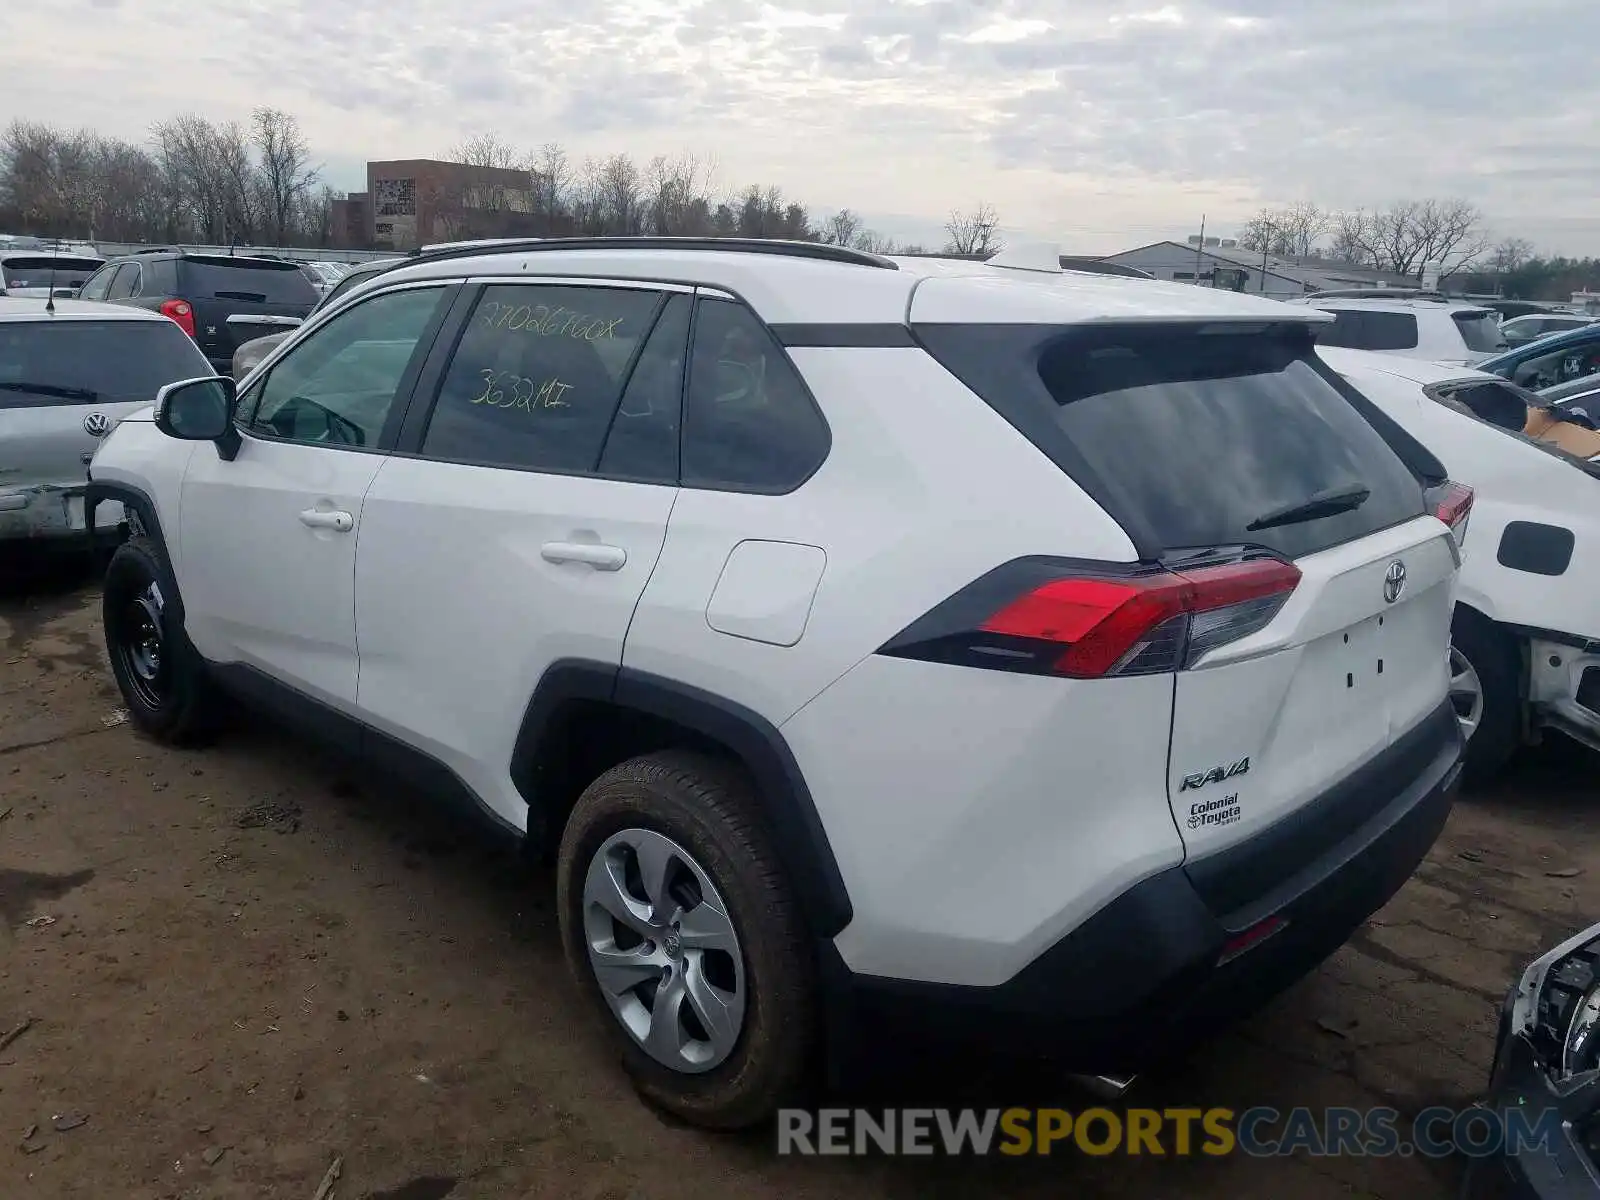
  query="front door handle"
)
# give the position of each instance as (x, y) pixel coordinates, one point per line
(318, 518)
(600, 557)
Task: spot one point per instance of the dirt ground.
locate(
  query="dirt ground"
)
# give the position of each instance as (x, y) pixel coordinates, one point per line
(245, 961)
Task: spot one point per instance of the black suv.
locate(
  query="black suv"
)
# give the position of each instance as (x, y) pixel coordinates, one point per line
(201, 291)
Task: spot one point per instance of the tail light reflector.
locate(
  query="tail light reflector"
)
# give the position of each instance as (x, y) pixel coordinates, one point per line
(1248, 940)
(1088, 626)
(182, 312)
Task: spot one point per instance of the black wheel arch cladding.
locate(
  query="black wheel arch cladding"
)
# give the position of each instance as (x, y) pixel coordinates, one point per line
(779, 786)
(144, 506)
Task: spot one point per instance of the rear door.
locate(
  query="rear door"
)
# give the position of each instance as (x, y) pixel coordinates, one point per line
(521, 514)
(1205, 439)
(63, 385)
(218, 287)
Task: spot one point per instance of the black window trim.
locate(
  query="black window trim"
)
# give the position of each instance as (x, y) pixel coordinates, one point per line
(430, 381)
(404, 392)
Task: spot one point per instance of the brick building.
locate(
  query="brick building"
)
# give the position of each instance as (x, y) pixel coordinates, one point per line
(410, 202)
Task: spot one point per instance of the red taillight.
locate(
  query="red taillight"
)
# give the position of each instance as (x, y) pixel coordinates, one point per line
(180, 311)
(1239, 943)
(1453, 505)
(1090, 626)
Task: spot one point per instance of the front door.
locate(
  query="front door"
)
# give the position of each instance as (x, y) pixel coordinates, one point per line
(268, 538)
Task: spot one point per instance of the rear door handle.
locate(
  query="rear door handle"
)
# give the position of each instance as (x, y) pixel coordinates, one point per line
(318, 518)
(600, 557)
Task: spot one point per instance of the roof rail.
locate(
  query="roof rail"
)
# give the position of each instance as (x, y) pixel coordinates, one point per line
(789, 249)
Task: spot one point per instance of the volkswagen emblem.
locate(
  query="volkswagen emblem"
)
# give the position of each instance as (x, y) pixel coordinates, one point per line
(97, 425)
(1394, 581)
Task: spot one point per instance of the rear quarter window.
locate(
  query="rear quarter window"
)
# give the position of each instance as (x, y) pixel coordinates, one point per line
(1360, 329)
(88, 362)
(1191, 437)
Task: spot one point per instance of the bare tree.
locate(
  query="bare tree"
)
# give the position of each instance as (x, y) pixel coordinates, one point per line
(287, 176)
(1291, 232)
(975, 232)
(1352, 239)
(551, 177)
(842, 228)
(676, 191)
(1510, 255)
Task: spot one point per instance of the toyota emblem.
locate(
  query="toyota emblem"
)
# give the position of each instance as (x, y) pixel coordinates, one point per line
(1394, 581)
(97, 425)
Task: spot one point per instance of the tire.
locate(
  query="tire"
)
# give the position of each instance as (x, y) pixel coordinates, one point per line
(1494, 659)
(168, 696)
(704, 810)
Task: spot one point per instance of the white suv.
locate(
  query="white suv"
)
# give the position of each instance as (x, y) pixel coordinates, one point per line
(1438, 330)
(870, 641)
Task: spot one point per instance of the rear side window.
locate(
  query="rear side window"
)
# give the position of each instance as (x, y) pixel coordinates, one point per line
(249, 280)
(123, 285)
(749, 424)
(1480, 331)
(537, 376)
(1360, 329)
(92, 362)
(1196, 436)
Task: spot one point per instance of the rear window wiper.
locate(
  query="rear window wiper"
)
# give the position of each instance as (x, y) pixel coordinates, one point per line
(1325, 503)
(51, 389)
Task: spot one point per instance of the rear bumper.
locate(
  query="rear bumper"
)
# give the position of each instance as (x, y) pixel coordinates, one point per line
(1141, 981)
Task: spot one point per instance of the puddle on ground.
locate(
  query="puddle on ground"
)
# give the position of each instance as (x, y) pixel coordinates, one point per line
(428, 1187)
(20, 890)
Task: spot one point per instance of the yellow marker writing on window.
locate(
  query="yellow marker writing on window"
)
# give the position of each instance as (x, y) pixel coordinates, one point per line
(544, 321)
(502, 389)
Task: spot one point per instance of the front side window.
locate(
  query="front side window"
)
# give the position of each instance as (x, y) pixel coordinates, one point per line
(1558, 366)
(749, 424)
(340, 384)
(538, 374)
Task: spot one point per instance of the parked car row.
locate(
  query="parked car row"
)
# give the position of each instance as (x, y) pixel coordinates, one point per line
(878, 646)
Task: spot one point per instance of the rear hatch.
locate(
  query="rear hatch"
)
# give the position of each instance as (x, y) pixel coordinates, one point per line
(64, 383)
(38, 274)
(218, 287)
(1230, 443)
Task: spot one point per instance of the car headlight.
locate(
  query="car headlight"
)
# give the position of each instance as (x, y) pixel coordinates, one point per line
(1556, 1004)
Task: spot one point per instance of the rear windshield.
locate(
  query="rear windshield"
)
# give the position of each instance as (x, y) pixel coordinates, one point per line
(1480, 331)
(36, 272)
(252, 280)
(92, 362)
(1364, 329)
(1195, 434)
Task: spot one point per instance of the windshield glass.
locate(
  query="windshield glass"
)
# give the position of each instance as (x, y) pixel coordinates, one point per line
(34, 271)
(1480, 330)
(84, 362)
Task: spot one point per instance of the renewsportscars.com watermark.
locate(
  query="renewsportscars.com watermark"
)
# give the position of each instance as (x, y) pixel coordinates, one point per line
(1177, 1132)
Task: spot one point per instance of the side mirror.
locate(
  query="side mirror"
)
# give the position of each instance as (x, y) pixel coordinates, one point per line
(200, 410)
(65, 293)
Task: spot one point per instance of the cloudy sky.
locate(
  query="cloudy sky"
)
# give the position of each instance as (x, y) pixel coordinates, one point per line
(1099, 123)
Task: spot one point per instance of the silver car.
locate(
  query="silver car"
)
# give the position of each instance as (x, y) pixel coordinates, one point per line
(69, 372)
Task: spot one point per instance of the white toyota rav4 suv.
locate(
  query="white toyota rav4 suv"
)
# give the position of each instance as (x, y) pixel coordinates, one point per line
(947, 646)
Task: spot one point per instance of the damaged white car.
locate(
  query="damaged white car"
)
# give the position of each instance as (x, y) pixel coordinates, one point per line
(68, 373)
(1525, 643)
